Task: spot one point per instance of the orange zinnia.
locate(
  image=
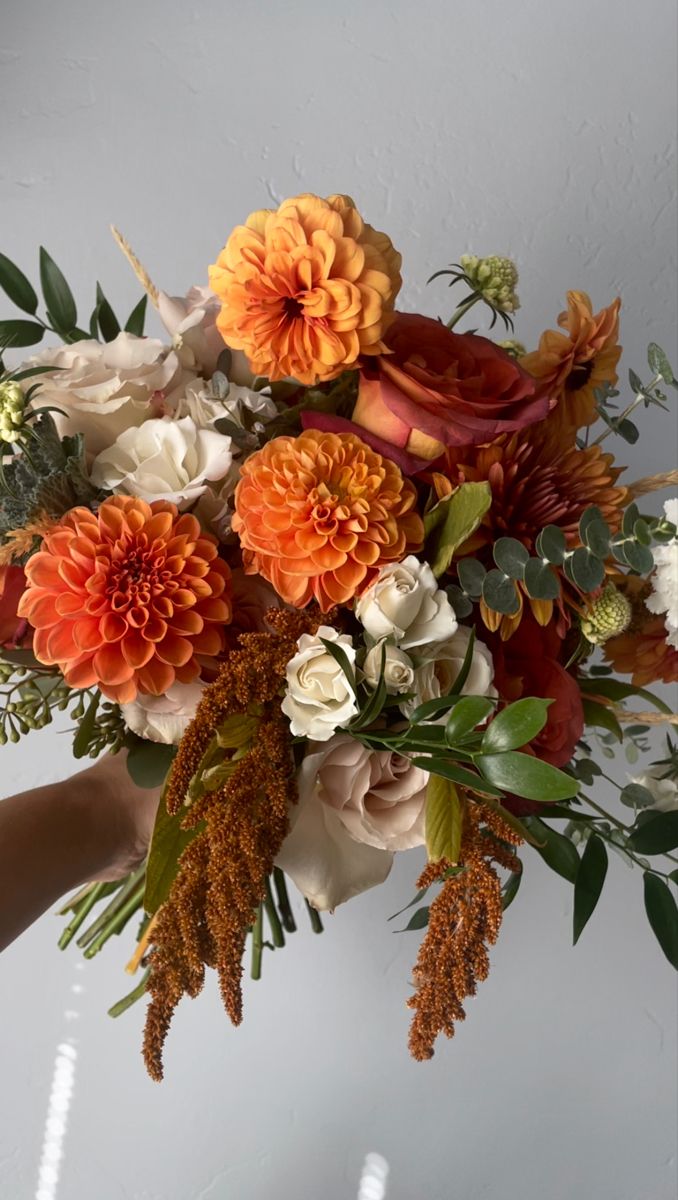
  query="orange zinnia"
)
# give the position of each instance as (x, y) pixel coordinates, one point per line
(126, 598)
(307, 289)
(571, 365)
(319, 514)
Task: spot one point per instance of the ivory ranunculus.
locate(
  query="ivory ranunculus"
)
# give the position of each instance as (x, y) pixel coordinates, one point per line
(436, 677)
(356, 808)
(319, 698)
(103, 389)
(164, 459)
(405, 603)
(398, 668)
(163, 718)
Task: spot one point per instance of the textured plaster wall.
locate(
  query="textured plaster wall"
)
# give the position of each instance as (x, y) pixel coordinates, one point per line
(540, 129)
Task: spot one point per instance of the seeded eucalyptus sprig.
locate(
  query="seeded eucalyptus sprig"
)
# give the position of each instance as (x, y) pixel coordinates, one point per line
(646, 394)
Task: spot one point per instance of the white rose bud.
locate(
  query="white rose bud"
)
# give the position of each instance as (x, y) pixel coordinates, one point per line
(319, 697)
(436, 677)
(405, 603)
(664, 791)
(398, 668)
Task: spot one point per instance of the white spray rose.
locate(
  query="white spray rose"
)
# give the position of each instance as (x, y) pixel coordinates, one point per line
(104, 389)
(398, 668)
(663, 791)
(319, 698)
(190, 321)
(664, 598)
(405, 603)
(164, 459)
(436, 677)
(163, 718)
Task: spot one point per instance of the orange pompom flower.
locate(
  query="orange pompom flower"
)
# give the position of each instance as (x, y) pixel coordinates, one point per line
(307, 289)
(319, 514)
(127, 598)
(571, 365)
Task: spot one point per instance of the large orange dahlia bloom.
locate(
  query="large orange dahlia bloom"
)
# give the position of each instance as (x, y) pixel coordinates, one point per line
(571, 365)
(127, 598)
(319, 514)
(307, 289)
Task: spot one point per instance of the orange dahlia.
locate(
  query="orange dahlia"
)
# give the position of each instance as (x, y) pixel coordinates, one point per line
(127, 598)
(307, 289)
(571, 365)
(536, 480)
(642, 651)
(319, 514)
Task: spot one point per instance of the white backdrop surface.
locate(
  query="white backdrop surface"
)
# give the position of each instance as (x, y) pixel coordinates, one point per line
(544, 131)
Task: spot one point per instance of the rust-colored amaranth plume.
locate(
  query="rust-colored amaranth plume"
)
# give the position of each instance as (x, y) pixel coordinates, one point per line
(464, 920)
(222, 876)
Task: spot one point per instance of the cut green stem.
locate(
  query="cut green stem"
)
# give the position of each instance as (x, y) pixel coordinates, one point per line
(273, 918)
(94, 893)
(316, 922)
(462, 310)
(257, 942)
(118, 920)
(128, 887)
(284, 905)
(131, 998)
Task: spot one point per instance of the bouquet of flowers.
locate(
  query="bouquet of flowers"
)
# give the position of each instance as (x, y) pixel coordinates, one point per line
(345, 581)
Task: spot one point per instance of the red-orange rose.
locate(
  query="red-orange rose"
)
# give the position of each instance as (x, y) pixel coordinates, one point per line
(527, 665)
(13, 628)
(438, 388)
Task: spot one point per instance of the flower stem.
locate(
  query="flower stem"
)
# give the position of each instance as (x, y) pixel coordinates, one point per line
(94, 893)
(110, 910)
(462, 310)
(118, 920)
(316, 923)
(284, 905)
(273, 918)
(257, 943)
(131, 998)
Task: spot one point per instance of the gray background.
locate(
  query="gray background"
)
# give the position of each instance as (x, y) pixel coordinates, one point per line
(538, 129)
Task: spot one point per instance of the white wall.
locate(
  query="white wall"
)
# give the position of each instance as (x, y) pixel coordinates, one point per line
(541, 129)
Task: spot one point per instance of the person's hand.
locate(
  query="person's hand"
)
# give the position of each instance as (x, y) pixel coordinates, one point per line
(123, 813)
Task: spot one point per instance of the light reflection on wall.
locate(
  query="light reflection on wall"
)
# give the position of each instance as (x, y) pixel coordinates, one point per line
(373, 1179)
(56, 1121)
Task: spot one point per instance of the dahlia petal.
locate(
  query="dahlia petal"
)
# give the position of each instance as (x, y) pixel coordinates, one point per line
(110, 667)
(176, 651)
(87, 634)
(136, 651)
(156, 677)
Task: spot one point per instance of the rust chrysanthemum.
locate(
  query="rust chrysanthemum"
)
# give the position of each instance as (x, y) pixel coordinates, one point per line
(127, 598)
(318, 515)
(570, 366)
(642, 651)
(306, 290)
(536, 480)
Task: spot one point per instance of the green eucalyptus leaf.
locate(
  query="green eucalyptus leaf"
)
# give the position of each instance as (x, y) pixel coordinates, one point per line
(627, 430)
(465, 716)
(634, 795)
(587, 518)
(510, 556)
(515, 725)
(471, 573)
(58, 295)
(662, 913)
(557, 851)
(588, 883)
(642, 533)
(639, 557)
(453, 520)
(461, 603)
(635, 382)
(526, 776)
(551, 544)
(659, 363)
(541, 581)
(499, 593)
(658, 835)
(631, 515)
(585, 570)
(597, 538)
(15, 285)
(444, 820)
(17, 334)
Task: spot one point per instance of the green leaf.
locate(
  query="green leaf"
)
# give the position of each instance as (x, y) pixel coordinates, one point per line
(418, 920)
(638, 557)
(108, 322)
(587, 518)
(615, 690)
(634, 795)
(456, 774)
(15, 285)
(444, 820)
(510, 889)
(662, 913)
(642, 534)
(168, 843)
(461, 603)
(584, 569)
(137, 318)
(471, 574)
(341, 657)
(597, 538)
(452, 521)
(149, 762)
(659, 363)
(83, 737)
(510, 556)
(551, 544)
(541, 581)
(465, 715)
(627, 430)
(601, 717)
(631, 515)
(499, 593)
(58, 295)
(515, 725)
(658, 835)
(433, 708)
(589, 883)
(17, 334)
(557, 851)
(526, 776)
(419, 896)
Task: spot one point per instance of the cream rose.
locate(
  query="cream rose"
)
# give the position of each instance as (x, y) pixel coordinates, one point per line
(164, 459)
(203, 403)
(436, 677)
(406, 603)
(398, 668)
(319, 698)
(163, 718)
(190, 321)
(105, 389)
